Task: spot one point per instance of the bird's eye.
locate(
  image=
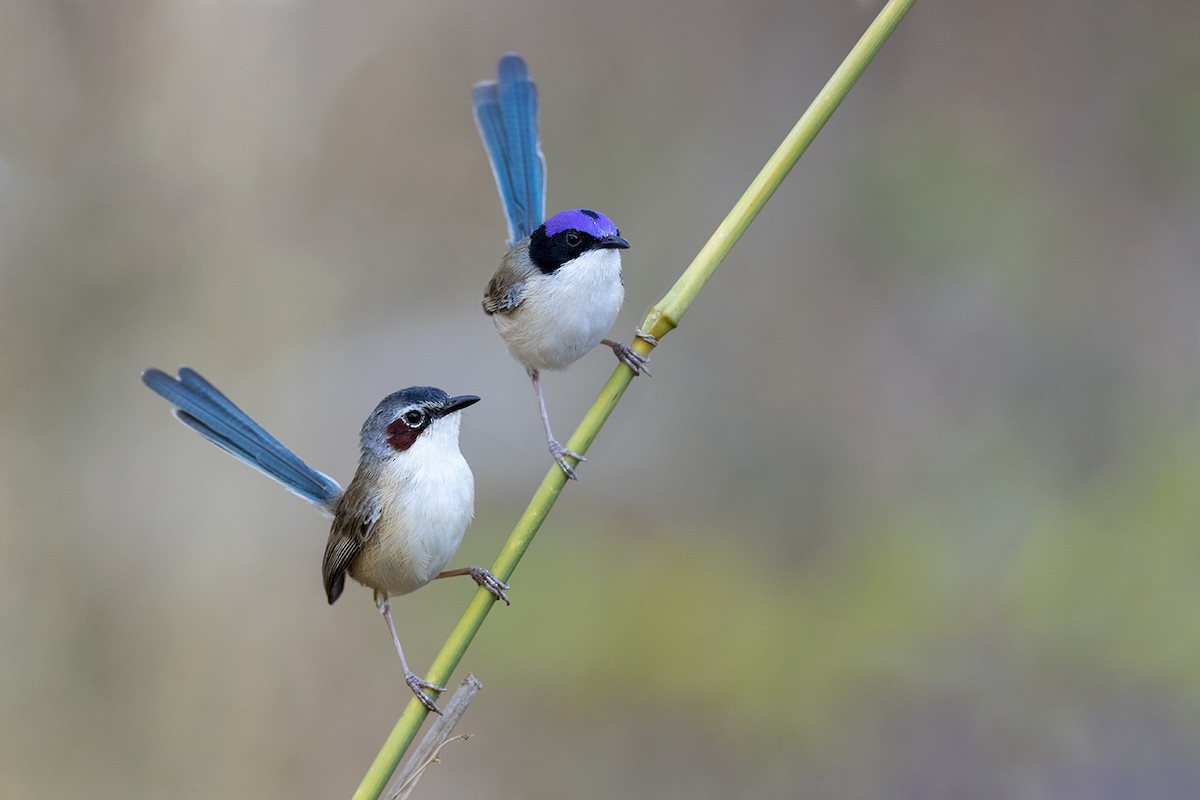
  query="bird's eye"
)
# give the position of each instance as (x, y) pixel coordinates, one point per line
(413, 418)
(573, 239)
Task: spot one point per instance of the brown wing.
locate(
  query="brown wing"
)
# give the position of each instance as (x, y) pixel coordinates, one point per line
(506, 290)
(355, 518)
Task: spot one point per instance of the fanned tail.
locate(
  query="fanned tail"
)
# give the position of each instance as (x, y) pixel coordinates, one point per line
(205, 410)
(506, 113)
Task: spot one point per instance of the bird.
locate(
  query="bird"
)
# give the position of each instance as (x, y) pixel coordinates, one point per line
(401, 518)
(559, 286)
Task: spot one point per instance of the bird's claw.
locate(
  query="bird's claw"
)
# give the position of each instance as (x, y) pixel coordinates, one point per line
(630, 357)
(416, 684)
(645, 337)
(561, 454)
(490, 582)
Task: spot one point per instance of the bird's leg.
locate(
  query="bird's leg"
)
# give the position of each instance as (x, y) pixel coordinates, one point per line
(559, 452)
(628, 356)
(483, 577)
(410, 677)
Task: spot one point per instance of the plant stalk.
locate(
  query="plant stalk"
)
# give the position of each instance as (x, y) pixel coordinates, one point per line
(663, 317)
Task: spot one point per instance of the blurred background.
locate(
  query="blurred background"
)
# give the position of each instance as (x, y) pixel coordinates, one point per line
(909, 509)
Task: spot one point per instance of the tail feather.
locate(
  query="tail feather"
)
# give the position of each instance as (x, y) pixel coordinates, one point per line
(506, 114)
(200, 406)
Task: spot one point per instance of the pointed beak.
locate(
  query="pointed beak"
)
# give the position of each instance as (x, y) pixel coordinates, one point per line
(459, 403)
(613, 242)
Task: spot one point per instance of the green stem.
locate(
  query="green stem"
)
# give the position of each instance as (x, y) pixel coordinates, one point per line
(662, 318)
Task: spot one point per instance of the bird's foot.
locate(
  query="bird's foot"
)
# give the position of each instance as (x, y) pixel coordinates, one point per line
(645, 337)
(628, 356)
(561, 454)
(416, 684)
(490, 582)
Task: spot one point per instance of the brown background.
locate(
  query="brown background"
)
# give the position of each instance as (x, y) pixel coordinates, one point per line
(909, 509)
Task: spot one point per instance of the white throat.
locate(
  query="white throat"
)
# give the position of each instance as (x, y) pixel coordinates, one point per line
(566, 313)
(431, 498)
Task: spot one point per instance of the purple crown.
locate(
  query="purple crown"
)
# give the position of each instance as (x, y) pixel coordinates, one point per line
(583, 220)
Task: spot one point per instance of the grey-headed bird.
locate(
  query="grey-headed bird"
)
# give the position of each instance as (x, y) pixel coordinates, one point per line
(402, 516)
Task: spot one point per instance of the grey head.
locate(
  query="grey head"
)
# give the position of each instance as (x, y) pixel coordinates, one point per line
(569, 234)
(401, 417)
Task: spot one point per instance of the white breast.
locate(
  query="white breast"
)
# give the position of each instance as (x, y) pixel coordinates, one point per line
(565, 314)
(430, 499)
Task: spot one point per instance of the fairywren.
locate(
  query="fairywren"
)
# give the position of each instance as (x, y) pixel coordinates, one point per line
(402, 516)
(559, 286)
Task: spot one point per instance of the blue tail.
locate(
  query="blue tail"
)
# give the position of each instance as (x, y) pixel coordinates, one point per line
(211, 414)
(506, 113)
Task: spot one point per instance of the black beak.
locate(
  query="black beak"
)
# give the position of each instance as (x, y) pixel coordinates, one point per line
(459, 403)
(612, 242)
